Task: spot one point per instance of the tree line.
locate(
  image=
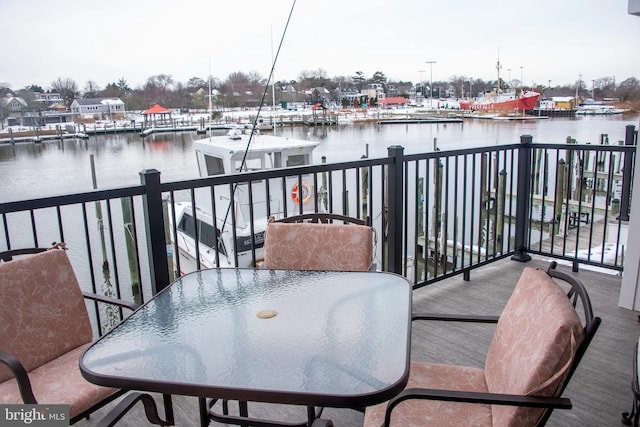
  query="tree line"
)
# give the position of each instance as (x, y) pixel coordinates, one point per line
(242, 89)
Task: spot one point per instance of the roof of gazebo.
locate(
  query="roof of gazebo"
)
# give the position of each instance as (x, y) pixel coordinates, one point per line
(157, 109)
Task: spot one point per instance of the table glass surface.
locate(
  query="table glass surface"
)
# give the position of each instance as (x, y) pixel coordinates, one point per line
(334, 334)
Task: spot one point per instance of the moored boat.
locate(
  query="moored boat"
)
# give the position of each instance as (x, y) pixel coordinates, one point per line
(503, 102)
(222, 239)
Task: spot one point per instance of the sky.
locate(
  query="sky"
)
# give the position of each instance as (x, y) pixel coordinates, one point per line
(547, 40)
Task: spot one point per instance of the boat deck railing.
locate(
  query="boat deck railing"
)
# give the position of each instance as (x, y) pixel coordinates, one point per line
(437, 214)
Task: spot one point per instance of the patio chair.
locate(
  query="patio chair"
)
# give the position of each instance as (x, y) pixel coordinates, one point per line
(44, 328)
(314, 241)
(538, 343)
(319, 241)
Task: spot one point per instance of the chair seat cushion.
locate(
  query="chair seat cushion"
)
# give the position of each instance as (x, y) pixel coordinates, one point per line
(421, 413)
(59, 382)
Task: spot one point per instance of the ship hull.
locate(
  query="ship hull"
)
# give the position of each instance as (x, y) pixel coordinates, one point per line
(526, 102)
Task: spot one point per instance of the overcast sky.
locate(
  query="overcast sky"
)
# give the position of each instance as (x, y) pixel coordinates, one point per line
(104, 41)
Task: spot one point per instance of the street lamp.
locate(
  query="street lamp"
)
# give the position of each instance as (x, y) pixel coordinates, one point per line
(431, 82)
(421, 87)
(521, 78)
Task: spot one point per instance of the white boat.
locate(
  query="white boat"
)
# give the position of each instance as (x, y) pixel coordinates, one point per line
(591, 107)
(224, 155)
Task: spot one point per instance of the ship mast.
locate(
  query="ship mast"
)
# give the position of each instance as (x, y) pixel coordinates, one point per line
(498, 66)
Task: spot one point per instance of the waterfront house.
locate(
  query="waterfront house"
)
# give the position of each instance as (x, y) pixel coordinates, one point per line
(48, 98)
(320, 95)
(374, 90)
(98, 108)
(13, 104)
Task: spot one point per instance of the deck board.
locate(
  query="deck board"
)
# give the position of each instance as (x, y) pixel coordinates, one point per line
(600, 389)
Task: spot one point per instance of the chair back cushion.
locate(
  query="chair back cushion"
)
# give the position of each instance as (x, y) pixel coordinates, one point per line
(534, 345)
(310, 246)
(42, 311)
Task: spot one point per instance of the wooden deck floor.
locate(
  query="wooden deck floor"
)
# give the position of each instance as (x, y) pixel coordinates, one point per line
(600, 389)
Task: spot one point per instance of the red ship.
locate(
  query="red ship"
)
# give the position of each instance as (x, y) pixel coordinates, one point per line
(507, 101)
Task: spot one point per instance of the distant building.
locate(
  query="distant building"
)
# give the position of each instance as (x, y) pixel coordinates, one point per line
(13, 104)
(48, 98)
(320, 95)
(396, 101)
(98, 108)
(349, 97)
(374, 90)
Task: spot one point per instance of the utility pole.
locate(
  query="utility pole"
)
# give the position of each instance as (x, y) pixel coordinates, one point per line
(421, 87)
(431, 82)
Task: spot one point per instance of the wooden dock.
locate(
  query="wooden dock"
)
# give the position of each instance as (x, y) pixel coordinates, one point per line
(419, 121)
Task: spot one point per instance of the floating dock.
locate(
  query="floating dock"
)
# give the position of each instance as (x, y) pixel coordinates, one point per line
(417, 121)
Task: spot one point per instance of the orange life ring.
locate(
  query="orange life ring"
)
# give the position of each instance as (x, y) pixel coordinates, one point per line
(306, 193)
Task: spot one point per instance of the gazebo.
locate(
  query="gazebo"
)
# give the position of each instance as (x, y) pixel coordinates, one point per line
(156, 115)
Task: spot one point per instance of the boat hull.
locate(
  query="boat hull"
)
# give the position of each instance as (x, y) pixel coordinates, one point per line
(523, 103)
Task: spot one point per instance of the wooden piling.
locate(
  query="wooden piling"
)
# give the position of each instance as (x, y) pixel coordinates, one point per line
(324, 195)
(559, 201)
(484, 200)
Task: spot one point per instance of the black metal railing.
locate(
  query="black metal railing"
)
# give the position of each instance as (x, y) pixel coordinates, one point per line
(436, 214)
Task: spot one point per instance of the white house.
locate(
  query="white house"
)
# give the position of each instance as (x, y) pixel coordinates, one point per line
(98, 108)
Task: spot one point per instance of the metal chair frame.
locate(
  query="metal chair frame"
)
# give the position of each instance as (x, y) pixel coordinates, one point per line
(591, 324)
(24, 384)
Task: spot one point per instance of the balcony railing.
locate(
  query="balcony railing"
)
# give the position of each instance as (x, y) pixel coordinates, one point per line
(436, 214)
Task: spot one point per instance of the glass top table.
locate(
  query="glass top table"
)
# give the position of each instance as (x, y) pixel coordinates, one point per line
(339, 339)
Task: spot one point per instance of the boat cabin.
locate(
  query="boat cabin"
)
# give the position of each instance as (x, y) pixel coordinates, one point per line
(225, 154)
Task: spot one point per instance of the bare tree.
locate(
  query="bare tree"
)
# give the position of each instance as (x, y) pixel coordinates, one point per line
(629, 89)
(91, 89)
(67, 88)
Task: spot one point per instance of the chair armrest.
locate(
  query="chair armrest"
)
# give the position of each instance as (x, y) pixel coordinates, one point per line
(475, 397)
(109, 300)
(21, 376)
(455, 317)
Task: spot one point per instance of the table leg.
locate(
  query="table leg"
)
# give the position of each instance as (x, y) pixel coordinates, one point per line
(168, 409)
(204, 412)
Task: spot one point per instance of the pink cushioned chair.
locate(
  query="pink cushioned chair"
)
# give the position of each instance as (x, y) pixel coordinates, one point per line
(44, 328)
(319, 242)
(315, 241)
(538, 343)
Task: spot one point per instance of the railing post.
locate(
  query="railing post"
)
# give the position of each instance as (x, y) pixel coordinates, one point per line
(154, 227)
(627, 177)
(395, 206)
(522, 199)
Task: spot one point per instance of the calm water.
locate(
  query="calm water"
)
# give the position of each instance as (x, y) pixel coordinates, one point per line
(29, 170)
